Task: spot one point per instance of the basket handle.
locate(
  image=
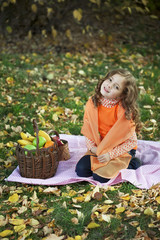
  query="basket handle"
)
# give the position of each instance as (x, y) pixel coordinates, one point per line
(53, 131)
(35, 127)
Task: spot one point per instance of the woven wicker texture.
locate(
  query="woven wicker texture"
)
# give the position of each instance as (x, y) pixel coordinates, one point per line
(63, 149)
(40, 164)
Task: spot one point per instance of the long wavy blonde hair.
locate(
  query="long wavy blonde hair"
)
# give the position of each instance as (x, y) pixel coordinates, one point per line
(128, 97)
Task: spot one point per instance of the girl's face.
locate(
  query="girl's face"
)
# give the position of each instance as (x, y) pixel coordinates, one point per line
(112, 87)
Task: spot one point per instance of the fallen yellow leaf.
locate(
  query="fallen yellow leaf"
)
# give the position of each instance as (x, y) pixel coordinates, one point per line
(88, 197)
(13, 1)
(120, 209)
(111, 188)
(158, 199)
(14, 198)
(104, 208)
(6, 233)
(93, 225)
(149, 211)
(10, 144)
(77, 13)
(158, 215)
(1, 145)
(54, 98)
(50, 210)
(151, 225)
(71, 193)
(138, 192)
(125, 197)
(34, 8)
(71, 89)
(19, 228)
(68, 34)
(9, 29)
(54, 32)
(10, 81)
(78, 237)
(16, 221)
(68, 55)
(78, 199)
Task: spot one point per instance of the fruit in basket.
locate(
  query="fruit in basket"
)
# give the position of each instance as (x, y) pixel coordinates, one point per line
(29, 147)
(30, 138)
(42, 141)
(45, 135)
(27, 136)
(23, 135)
(23, 142)
(49, 144)
(57, 139)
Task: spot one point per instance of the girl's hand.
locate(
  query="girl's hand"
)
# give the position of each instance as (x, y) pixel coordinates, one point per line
(94, 150)
(104, 158)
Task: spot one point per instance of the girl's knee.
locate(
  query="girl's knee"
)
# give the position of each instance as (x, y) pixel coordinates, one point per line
(82, 171)
(83, 167)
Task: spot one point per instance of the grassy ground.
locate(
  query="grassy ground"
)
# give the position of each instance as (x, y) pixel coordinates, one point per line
(53, 88)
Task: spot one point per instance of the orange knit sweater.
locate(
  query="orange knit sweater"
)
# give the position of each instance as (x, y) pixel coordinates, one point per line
(110, 107)
(117, 130)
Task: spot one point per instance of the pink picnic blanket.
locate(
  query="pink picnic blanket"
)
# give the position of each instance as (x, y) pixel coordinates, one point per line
(144, 177)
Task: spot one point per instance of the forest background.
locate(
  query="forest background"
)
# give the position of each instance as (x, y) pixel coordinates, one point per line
(52, 54)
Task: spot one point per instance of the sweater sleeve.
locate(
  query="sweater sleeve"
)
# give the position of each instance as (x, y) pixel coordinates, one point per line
(124, 147)
(90, 143)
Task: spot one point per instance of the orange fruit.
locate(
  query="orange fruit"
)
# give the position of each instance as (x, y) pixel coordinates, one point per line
(49, 144)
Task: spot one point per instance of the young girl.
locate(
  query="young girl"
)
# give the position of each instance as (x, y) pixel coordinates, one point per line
(111, 120)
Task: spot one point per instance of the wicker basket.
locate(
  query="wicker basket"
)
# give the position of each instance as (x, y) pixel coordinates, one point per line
(40, 164)
(63, 149)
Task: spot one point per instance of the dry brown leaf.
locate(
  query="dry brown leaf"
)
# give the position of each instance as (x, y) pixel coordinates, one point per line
(74, 220)
(33, 222)
(34, 198)
(53, 190)
(53, 237)
(98, 196)
(3, 220)
(47, 230)
(134, 223)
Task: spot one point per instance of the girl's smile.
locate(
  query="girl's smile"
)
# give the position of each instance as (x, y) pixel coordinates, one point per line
(106, 90)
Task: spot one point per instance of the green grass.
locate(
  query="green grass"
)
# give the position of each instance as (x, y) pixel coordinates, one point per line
(47, 85)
